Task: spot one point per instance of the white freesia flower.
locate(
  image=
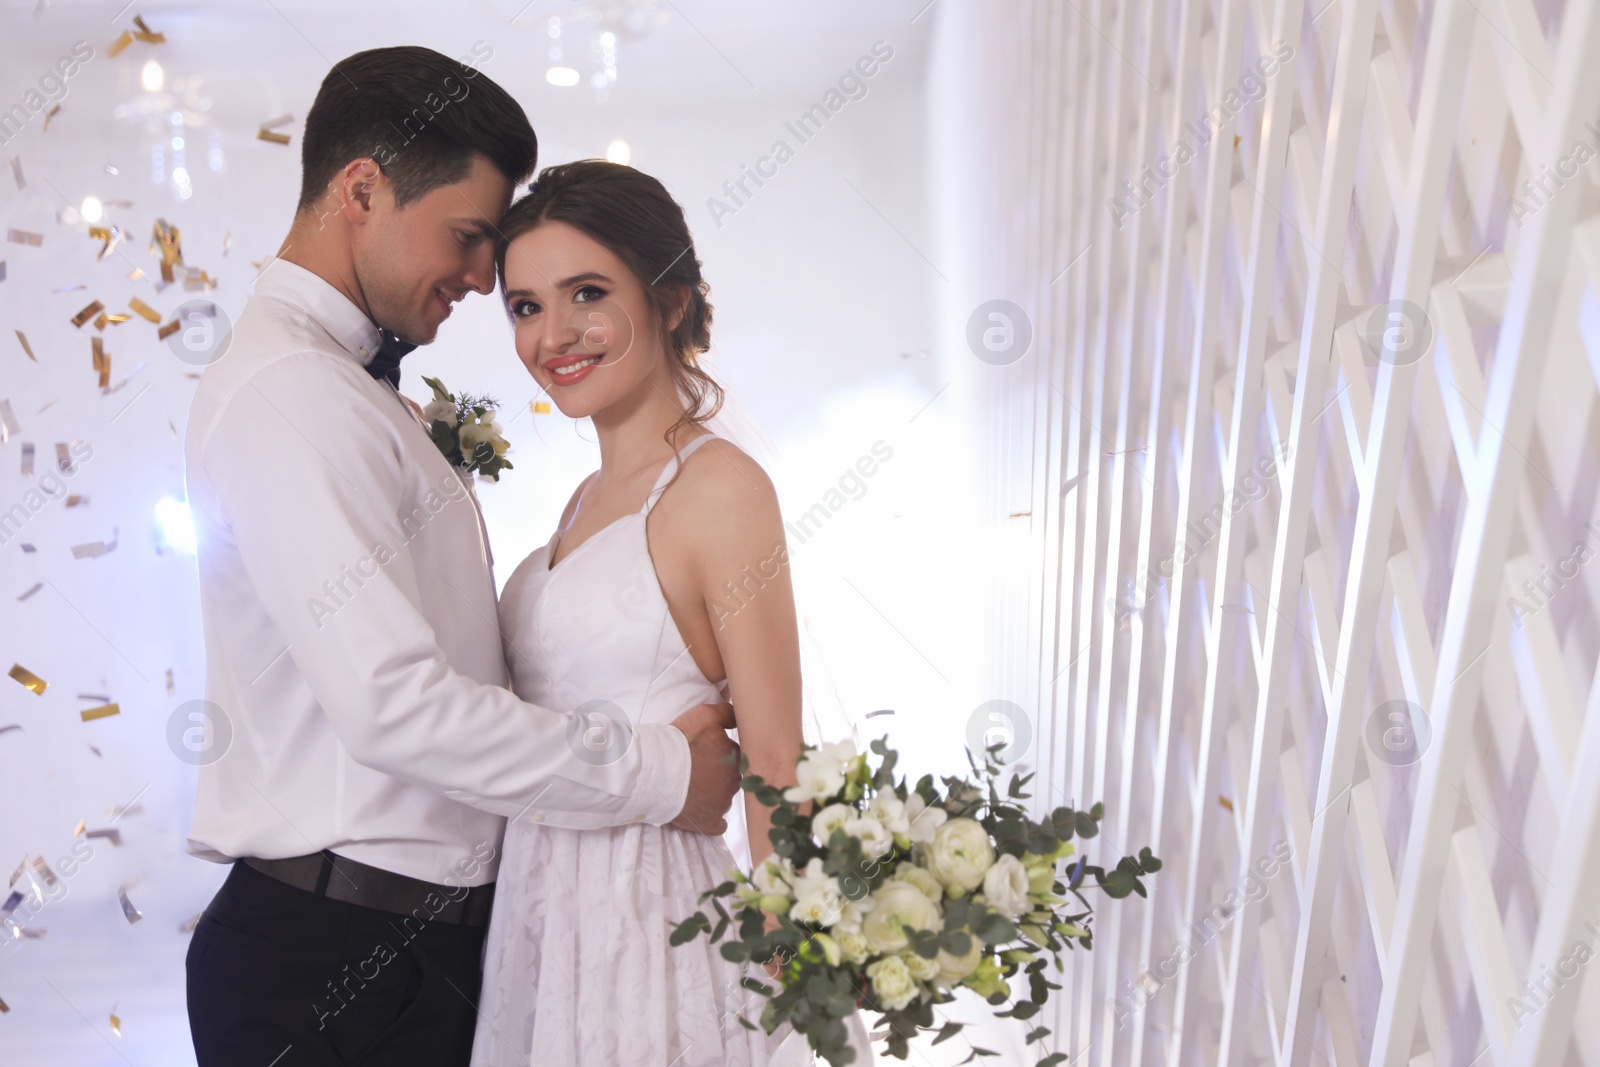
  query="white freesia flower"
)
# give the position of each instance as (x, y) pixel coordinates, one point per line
(1006, 886)
(961, 853)
(892, 984)
(890, 810)
(774, 876)
(817, 905)
(440, 411)
(921, 878)
(922, 820)
(830, 818)
(875, 839)
(895, 906)
(821, 772)
(851, 915)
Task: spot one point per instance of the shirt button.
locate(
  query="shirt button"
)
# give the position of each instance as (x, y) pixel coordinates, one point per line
(538, 816)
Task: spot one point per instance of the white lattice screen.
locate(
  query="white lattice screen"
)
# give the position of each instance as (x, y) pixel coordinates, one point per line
(1299, 483)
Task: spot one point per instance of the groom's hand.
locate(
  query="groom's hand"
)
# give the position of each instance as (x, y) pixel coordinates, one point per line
(713, 779)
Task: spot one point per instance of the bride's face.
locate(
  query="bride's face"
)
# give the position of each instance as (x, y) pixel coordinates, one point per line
(584, 327)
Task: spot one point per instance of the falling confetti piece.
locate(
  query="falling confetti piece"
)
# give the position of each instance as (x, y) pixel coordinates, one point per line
(27, 459)
(133, 914)
(96, 751)
(29, 679)
(16, 172)
(18, 873)
(227, 243)
(169, 681)
(36, 587)
(8, 422)
(42, 869)
(87, 313)
(135, 274)
(102, 360)
(116, 47)
(11, 903)
(1236, 609)
(190, 923)
(48, 115)
(146, 34)
(112, 834)
(103, 698)
(7, 728)
(26, 348)
(30, 933)
(76, 830)
(164, 238)
(273, 136)
(116, 1023)
(168, 330)
(2, 270)
(541, 407)
(100, 321)
(113, 171)
(68, 289)
(102, 712)
(28, 548)
(111, 235)
(117, 811)
(116, 318)
(1225, 802)
(144, 311)
(25, 237)
(91, 549)
(64, 458)
(4, 1007)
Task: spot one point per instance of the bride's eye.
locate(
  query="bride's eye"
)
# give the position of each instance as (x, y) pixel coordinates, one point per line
(594, 291)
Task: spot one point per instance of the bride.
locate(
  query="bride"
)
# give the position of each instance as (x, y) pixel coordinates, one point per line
(665, 585)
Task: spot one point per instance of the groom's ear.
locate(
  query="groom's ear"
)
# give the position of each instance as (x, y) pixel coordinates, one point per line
(359, 185)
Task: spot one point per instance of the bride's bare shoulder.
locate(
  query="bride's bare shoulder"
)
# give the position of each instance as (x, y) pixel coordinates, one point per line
(723, 499)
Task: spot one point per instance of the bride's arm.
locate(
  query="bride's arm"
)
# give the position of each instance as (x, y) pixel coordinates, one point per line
(728, 518)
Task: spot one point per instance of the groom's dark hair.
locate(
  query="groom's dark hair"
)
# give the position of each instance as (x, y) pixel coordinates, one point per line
(421, 116)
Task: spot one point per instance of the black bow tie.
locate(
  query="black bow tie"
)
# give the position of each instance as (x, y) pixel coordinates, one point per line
(386, 364)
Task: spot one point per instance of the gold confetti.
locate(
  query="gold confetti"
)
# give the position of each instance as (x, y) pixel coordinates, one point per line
(135, 274)
(133, 914)
(116, 1023)
(144, 311)
(42, 869)
(111, 235)
(168, 330)
(540, 407)
(116, 47)
(103, 711)
(8, 422)
(117, 811)
(1225, 802)
(272, 136)
(26, 347)
(64, 458)
(100, 321)
(76, 500)
(90, 550)
(169, 681)
(198, 280)
(48, 115)
(76, 830)
(147, 35)
(25, 237)
(117, 318)
(4, 1007)
(164, 239)
(29, 679)
(16, 172)
(112, 834)
(227, 243)
(87, 313)
(36, 587)
(102, 361)
(27, 459)
(190, 923)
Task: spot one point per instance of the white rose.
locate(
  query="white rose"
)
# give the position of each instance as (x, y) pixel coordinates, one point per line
(830, 818)
(923, 970)
(954, 968)
(852, 945)
(890, 810)
(440, 411)
(895, 906)
(923, 820)
(919, 877)
(961, 853)
(818, 776)
(892, 984)
(1006, 886)
(875, 840)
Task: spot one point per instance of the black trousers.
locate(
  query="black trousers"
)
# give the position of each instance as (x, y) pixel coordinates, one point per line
(279, 977)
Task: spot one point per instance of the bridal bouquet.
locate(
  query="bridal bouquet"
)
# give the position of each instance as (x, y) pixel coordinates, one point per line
(895, 896)
(464, 429)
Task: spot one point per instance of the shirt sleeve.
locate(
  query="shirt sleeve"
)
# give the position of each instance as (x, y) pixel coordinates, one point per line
(304, 471)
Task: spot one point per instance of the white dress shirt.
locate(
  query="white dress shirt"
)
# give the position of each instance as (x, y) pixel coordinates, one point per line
(353, 649)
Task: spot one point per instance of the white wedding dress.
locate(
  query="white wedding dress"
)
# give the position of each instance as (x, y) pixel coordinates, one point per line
(578, 971)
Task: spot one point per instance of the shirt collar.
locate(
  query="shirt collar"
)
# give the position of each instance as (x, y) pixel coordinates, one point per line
(319, 301)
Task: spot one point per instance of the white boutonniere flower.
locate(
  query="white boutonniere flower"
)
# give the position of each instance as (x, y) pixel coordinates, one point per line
(465, 430)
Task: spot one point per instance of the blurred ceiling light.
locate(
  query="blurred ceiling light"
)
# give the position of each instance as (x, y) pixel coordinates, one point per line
(174, 525)
(565, 77)
(93, 210)
(152, 77)
(619, 152)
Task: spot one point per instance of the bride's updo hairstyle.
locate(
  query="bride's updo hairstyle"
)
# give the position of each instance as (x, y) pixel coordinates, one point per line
(633, 216)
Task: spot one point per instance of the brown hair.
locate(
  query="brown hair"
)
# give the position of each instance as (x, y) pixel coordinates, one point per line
(633, 216)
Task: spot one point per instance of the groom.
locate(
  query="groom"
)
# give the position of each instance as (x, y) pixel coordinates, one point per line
(364, 752)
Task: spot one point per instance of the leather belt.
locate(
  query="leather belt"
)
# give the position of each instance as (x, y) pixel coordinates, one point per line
(340, 878)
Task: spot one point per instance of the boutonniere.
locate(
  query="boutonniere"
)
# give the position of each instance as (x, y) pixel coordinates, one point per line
(464, 429)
